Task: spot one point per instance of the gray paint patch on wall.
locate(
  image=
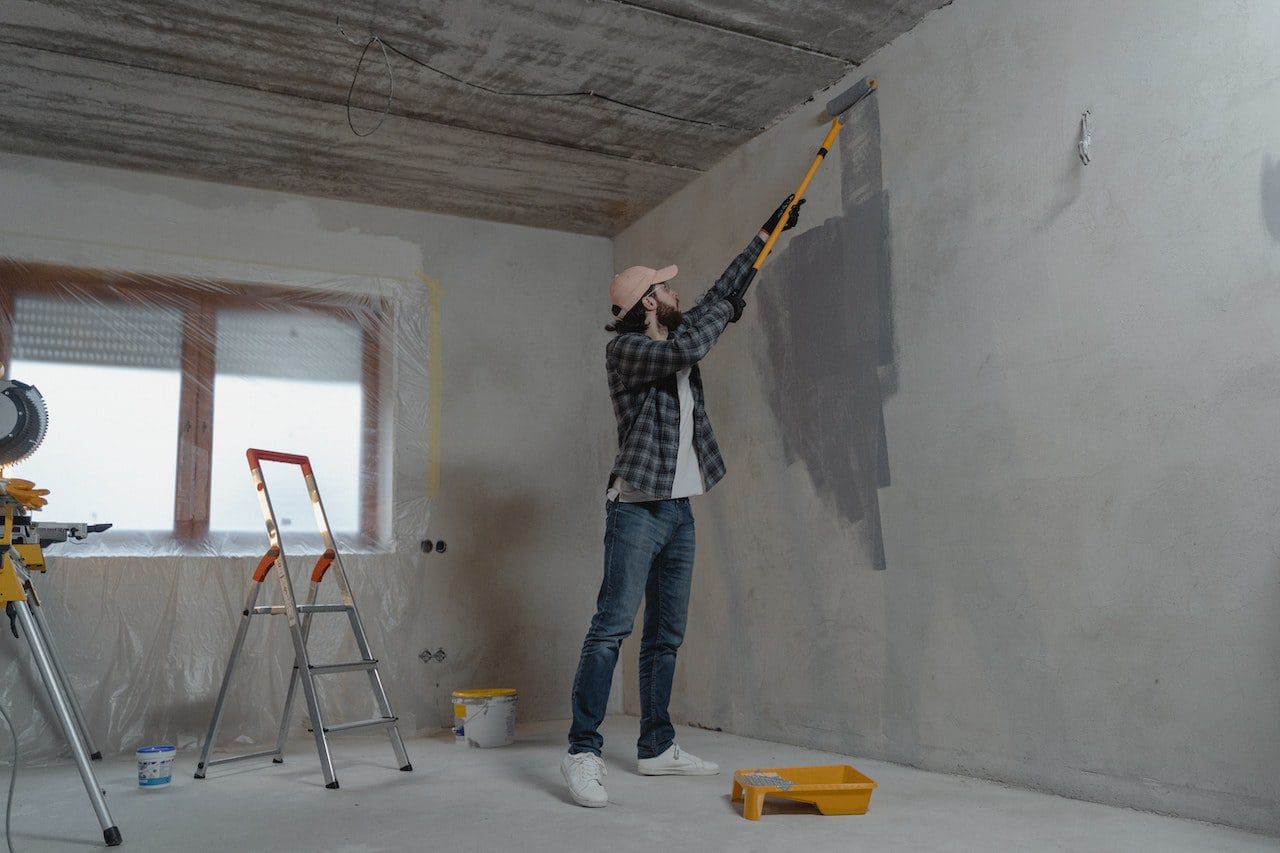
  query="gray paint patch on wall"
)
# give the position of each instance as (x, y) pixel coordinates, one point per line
(1271, 196)
(828, 316)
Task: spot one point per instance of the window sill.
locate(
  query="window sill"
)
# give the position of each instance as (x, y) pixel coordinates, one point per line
(229, 544)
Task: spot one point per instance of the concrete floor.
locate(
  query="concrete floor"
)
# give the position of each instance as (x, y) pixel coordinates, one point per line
(460, 798)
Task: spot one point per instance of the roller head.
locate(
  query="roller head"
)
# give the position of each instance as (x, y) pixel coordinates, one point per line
(850, 96)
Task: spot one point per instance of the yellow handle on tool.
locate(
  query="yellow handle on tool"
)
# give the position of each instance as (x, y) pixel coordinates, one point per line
(800, 190)
(24, 492)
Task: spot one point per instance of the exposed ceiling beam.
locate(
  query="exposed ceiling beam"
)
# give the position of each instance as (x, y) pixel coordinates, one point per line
(107, 114)
(341, 104)
(626, 52)
(485, 118)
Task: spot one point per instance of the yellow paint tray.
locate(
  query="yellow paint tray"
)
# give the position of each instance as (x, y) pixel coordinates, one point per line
(833, 788)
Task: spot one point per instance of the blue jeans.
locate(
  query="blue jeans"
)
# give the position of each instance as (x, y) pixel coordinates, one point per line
(648, 551)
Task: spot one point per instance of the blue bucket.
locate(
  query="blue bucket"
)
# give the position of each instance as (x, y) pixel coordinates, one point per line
(155, 765)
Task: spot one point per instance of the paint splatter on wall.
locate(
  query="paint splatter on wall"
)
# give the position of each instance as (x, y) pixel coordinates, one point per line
(1271, 196)
(827, 313)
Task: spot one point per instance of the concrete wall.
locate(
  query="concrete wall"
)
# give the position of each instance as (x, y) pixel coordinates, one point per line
(524, 439)
(1080, 404)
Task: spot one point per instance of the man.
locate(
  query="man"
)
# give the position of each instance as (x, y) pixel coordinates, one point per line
(667, 453)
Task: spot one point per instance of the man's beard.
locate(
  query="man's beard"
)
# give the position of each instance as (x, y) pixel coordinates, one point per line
(669, 317)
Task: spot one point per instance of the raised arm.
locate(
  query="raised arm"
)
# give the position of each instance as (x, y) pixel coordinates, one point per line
(729, 280)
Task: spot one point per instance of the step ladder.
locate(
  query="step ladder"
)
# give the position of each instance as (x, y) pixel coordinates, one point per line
(299, 615)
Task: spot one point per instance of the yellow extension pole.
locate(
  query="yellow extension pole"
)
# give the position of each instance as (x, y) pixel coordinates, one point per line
(800, 190)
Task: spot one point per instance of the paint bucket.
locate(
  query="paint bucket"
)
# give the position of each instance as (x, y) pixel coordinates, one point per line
(155, 766)
(484, 718)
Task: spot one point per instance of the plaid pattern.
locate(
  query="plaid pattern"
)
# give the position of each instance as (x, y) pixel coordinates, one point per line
(642, 384)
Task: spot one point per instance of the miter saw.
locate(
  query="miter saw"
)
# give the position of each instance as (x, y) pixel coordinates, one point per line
(23, 423)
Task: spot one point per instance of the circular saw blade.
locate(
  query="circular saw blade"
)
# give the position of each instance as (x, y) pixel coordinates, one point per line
(24, 420)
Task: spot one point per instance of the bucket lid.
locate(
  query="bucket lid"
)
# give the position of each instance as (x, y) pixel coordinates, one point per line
(168, 747)
(484, 694)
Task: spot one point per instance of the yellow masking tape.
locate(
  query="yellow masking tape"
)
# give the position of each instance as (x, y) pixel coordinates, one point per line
(435, 374)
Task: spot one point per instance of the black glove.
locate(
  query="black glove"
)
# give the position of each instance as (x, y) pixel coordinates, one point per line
(792, 219)
(738, 304)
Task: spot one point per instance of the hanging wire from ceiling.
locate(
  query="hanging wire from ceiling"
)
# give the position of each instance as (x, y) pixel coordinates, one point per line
(374, 38)
(391, 80)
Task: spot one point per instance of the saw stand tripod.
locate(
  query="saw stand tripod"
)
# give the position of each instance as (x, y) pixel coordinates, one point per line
(21, 553)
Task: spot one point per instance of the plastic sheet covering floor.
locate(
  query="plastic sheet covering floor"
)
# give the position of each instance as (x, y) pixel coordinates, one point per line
(459, 798)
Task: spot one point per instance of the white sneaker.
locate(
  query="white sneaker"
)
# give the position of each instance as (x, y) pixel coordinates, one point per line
(583, 771)
(676, 762)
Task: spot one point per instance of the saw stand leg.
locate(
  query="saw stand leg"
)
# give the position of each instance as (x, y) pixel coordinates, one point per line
(67, 712)
(81, 720)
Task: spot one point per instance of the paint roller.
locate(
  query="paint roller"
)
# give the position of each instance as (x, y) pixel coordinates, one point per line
(836, 107)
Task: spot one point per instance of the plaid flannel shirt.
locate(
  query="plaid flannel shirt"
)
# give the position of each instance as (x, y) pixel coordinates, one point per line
(642, 384)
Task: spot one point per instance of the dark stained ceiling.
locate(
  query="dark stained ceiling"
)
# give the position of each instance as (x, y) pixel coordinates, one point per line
(254, 92)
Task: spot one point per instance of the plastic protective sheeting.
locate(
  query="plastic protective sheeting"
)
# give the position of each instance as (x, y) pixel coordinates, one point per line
(155, 387)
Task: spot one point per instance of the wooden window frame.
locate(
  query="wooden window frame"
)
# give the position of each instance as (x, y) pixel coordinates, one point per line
(199, 300)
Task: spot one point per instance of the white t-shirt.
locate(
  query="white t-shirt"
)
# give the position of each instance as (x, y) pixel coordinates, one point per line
(688, 481)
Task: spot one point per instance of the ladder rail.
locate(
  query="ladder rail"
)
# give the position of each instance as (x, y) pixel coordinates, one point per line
(292, 693)
(219, 705)
(357, 624)
(302, 662)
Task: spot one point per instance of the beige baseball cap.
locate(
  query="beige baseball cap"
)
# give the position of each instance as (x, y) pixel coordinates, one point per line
(629, 286)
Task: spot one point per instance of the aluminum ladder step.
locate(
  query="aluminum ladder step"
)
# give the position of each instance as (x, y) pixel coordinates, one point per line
(277, 609)
(358, 724)
(204, 765)
(354, 666)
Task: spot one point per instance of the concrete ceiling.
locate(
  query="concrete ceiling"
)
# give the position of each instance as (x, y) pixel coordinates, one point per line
(253, 92)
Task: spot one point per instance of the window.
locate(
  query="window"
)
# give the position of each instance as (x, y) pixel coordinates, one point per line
(156, 387)
(286, 380)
